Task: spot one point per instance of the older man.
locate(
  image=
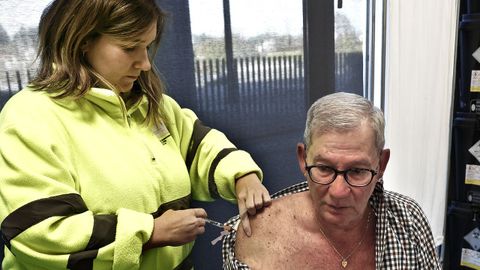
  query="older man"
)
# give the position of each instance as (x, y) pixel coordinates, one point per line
(341, 217)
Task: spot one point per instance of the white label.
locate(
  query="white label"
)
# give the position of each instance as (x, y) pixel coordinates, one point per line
(470, 258)
(472, 174)
(475, 82)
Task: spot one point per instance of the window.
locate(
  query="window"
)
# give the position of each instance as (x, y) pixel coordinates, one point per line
(253, 81)
(249, 76)
(249, 68)
(338, 45)
(18, 41)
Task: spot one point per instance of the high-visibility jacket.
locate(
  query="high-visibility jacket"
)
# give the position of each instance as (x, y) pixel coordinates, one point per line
(81, 180)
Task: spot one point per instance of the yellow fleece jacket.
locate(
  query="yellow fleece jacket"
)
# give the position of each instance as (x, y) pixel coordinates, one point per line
(82, 180)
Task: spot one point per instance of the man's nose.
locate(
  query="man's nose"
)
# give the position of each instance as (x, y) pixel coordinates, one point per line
(339, 187)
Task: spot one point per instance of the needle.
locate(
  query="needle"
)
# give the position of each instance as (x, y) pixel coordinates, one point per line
(218, 224)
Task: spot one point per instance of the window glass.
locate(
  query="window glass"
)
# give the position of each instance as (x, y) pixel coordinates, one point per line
(18, 41)
(249, 83)
(351, 46)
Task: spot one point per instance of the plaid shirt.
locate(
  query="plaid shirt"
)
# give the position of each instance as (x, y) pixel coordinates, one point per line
(404, 239)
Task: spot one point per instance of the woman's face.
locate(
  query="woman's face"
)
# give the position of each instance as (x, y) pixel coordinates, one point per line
(121, 62)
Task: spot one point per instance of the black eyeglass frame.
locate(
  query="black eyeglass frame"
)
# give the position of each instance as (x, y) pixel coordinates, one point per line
(337, 172)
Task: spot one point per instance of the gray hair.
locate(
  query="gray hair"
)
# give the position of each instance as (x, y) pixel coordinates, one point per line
(343, 111)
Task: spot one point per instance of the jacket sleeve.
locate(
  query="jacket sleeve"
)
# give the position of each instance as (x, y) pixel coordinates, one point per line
(45, 222)
(212, 160)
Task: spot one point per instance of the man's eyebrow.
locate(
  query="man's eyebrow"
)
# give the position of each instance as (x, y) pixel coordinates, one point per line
(319, 159)
(353, 164)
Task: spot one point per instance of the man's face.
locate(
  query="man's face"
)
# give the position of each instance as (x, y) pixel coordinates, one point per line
(339, 203)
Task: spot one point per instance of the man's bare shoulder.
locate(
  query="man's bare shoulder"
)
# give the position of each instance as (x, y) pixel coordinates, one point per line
(279, 222)
(285, 207)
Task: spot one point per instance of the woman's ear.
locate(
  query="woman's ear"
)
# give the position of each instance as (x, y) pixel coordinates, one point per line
(85, 46)
(384, 157)
(301, 156)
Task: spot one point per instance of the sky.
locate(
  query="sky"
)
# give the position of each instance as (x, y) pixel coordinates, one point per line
(17, 13)
(249, 17)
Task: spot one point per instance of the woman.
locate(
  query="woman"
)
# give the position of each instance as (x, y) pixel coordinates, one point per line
(97, 165)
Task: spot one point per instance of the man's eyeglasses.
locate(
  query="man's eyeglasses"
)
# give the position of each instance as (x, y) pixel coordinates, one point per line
(325, 175)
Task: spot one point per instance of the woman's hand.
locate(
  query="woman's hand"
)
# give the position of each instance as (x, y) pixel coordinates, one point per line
(252, 196)
(175, 228)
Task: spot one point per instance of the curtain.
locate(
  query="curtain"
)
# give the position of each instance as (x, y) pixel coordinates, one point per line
(419, 83)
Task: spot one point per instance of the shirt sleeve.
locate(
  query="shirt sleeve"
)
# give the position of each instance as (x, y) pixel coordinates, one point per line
(45, 222)
(212, 160)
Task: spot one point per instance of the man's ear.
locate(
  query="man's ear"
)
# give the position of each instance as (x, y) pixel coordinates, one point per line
(384, 157)
(301, 156)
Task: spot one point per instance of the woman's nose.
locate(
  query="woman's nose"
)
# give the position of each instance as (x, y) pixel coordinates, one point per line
(143, 62)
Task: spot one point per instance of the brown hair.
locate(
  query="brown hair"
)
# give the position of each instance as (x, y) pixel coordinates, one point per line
(66, 25)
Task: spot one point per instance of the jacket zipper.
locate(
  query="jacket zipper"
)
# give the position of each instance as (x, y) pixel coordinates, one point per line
(128, 120)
